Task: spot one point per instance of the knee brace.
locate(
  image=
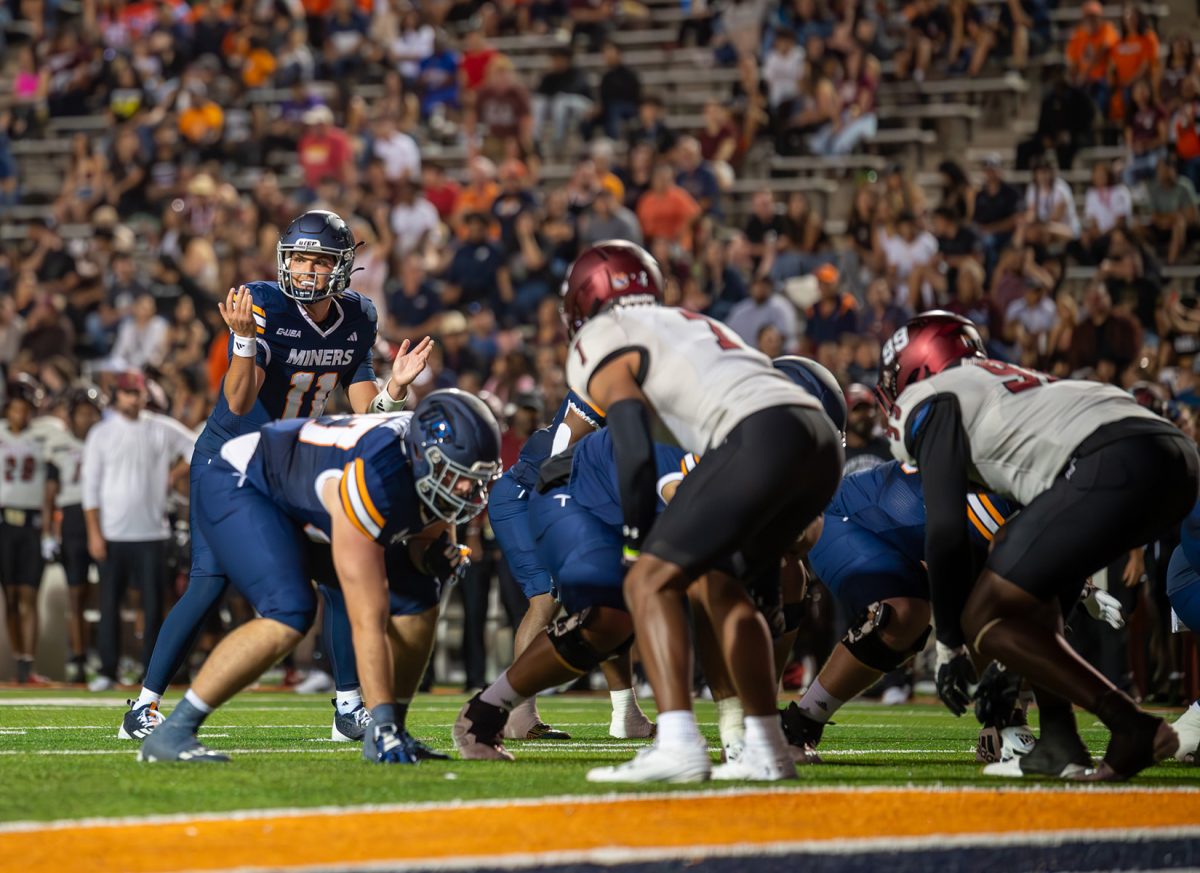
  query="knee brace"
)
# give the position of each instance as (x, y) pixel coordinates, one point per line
(573, 649)
(864, 642)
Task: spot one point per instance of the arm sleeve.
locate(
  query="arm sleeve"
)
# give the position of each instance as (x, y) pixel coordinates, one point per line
(92, 469)
(629, 425)
(939, 444)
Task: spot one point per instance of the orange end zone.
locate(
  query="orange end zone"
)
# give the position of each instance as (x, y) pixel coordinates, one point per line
(489, 830)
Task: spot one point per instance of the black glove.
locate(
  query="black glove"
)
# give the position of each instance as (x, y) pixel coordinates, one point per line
(955, 675)
(446, 561)
(996, 696)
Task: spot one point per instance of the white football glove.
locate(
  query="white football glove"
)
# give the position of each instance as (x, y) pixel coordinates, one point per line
(1102, 606)
(49, 549)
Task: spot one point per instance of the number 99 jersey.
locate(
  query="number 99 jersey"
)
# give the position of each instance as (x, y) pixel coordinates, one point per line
(303, 361)
(1022, 426)
(700, 377)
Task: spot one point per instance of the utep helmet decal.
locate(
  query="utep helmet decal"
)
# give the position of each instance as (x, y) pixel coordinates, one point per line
(453, 438)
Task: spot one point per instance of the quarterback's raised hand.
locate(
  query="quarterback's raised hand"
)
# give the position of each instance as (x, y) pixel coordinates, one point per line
(409, 363)
(238, 312)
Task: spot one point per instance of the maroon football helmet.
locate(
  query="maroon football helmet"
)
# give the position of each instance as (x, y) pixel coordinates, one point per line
(608, 271)
(930, 343)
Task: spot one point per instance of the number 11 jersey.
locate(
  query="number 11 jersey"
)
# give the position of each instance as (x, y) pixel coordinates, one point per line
(1022, 426)
(303, 361)
(699, 376)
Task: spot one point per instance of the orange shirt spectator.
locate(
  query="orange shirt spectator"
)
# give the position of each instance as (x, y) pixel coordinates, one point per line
(1134, 56)
(202, 121)
(1183, 131)
(1089, 50)
(666, 211)
(258, 68)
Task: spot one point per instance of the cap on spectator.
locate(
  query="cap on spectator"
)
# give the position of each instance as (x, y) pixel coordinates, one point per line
(453, 322)
(105, 217)
(1093, 7)
(130, 380)
(859, 395)
(529, 400)
(319, 115)
(828, 274)
(992, 161)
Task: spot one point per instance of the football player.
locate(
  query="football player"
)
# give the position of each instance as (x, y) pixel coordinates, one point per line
(26, 511)
(771, 462)
(508, 512)
(1183, 590)
(363, 482)
(85, 405)
(291, 343)
(1097, 475)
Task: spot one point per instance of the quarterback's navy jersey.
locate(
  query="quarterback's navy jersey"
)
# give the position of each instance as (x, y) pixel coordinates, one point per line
(540, 444)
(292, 460)
(303, 362)
(887, 500)
(594, 474)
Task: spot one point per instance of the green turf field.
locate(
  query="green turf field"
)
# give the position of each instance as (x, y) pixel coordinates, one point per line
(60, 748)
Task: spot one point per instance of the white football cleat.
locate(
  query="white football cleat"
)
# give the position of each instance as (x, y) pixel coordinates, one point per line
(655, 763)
(1188, 728)
(731, 751)
(756, 766)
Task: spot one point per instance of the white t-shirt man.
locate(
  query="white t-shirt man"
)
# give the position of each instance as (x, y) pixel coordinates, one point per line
(1106, 206)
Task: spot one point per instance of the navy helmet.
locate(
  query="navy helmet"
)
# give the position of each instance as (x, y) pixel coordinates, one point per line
(315, 232)
(453, 438)
(819, 382)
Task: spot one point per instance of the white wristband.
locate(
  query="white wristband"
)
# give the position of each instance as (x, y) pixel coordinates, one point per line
(244, 347)
(383, 401)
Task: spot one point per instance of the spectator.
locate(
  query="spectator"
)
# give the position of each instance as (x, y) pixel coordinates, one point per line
(971, 300)
(563, 99)
(1172, 206)
(1089, 52)
(764, 227)
(651, 127)
(881, 317)
(591, 22)
(128, 460)
(414, 306)
(296, 63)
(905, 253)
(1064, 124)
(619, 94)
(1107, 205)
(783, 71)
(1134, 56)
(411, 44)
(440, 190)
(866, 445)
(603, 153)
(1145, 134)
(8, 167)
(605, 219)
(957, 193)
(437, 81)
(502, 110)
(696, 178)
(957, 244)
(1105, 340)
(927, 37)
(1179, 68)
(515, 198)
(324, 151)
(1185, 132)
(855, 119)
(718, 140)
(478, 270)
(201, 120)
(141, 337)
(835, 313)
(1050, 215)
(770, 341)
(398, 151)
(738, 31)
(477, 57)
(413, 218)
(1029, 321)
(480, 192)
(667, 212)
(762, 308)
(997, 207)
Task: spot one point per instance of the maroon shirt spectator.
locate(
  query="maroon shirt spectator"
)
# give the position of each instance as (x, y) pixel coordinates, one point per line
(1106, 340)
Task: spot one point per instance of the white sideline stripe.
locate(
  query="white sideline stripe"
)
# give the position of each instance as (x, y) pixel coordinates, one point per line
(701, 851)
(586, 799)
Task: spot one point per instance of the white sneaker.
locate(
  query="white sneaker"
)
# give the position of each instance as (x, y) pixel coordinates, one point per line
(316, 682)
(101, 683)
(896, 695)
(632, 725)
(658, 764)
(756, 766)
(1188, 728)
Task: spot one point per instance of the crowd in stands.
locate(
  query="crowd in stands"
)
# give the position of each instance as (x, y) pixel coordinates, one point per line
(223, 120)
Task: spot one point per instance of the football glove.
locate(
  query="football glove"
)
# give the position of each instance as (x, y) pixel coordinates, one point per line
(49, 549)
(384, 744)
(1102, 606)
(996, 696)
(446, 561)
(955, 676)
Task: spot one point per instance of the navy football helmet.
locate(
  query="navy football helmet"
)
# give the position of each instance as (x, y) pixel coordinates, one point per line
(317, 232)
(453, 438)
(820, 383)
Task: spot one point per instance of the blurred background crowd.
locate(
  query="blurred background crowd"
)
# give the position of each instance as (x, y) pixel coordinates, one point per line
(812, 172)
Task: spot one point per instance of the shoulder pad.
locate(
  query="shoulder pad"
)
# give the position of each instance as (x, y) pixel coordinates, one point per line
(356, 303)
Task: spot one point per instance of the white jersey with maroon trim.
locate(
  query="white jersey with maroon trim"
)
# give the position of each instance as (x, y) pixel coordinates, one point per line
(65, 452)
(699, 376)
(22, 469)
(1022, 426)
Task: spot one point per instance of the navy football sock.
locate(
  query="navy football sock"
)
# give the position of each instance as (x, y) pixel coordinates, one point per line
(180, 629)
(337, 640)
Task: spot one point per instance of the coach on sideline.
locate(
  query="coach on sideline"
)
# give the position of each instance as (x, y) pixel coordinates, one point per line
(127, 461)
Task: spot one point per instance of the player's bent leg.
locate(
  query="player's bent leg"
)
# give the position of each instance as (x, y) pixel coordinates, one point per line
(524, 722)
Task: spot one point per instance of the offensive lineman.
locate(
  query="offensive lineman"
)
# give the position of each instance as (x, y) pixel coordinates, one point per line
(291, 343)
(1097, 475)
(771, 462)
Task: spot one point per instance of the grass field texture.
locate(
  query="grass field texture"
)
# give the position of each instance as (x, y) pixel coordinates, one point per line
(60, 758)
